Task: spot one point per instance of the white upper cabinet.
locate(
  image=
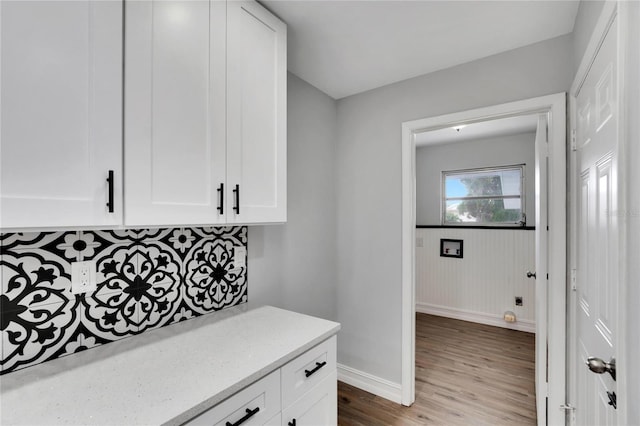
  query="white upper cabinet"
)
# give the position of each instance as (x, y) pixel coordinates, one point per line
(175, 68)
(61, 113)
(205, 113)
(256, 114)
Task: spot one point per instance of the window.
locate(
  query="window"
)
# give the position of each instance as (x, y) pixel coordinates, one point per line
(490, 197)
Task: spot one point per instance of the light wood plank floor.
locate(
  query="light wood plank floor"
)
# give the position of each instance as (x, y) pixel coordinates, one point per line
(466, 374)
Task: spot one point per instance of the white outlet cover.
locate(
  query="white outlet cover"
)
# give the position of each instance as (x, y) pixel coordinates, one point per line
(83, 277)
(239, 257)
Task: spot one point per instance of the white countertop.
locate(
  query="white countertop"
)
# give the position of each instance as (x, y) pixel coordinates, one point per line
(166, 376)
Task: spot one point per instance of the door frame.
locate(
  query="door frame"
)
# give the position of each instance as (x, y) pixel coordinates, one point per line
(555, 106)
(611, 10)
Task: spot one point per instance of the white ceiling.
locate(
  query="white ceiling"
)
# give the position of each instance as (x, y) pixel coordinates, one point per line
(345, 47)
(481, 130)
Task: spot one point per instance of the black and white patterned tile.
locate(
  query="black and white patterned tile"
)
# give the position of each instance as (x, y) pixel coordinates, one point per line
(146, 278)
(213, 281)
(140, 291)
(182, 240)
(38, 313)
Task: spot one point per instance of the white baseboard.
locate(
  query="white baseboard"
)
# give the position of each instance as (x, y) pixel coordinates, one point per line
(370, 383)
(479, 317)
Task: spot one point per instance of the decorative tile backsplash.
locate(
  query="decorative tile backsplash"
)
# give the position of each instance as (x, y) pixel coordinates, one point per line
(146, 278)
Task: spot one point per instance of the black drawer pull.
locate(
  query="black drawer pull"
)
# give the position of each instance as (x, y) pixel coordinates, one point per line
(221, 202)
(250, 413)
(110, 194)
(319, 365)
(292, 422)
(236, 191)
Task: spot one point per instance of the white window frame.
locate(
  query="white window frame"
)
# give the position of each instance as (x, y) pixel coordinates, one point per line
(443, 199)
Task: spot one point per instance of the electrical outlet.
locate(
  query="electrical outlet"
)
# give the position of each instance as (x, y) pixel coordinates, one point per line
(419, 242)
(518, 301)
(83, 276)
(239, 257)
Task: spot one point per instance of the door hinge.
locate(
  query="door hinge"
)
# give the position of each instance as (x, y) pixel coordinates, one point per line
(574, 280)
(574, 143)
(546, 131)
(571, 410)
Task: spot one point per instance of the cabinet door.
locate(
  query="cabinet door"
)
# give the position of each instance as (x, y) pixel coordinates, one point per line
(175, 112)
(317, 407)
(61, 113)
(256, 108)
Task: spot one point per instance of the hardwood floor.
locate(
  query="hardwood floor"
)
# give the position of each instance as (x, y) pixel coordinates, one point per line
(466, 373)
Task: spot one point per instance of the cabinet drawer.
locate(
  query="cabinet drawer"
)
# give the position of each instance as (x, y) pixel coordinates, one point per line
(306, 371)
(318, 407)
(263, 395)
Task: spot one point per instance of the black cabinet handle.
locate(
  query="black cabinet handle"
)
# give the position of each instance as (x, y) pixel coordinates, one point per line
(292, 422)
(236, 191)
(250, 413)
(221, 202)
(318, 366)
(110, 192)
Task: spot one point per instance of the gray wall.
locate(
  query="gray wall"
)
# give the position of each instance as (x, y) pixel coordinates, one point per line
(293, 265)
(431, 161)
(346, 266)
(369, 184)
(588, 14)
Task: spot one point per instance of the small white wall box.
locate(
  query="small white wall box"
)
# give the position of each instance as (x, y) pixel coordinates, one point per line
(451, 248)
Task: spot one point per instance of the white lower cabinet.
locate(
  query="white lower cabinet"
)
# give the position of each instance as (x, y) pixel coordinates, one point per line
(301, 392)
(317, 407)
(309, 387)
(307, 370)
(257, 404)
(275, 421)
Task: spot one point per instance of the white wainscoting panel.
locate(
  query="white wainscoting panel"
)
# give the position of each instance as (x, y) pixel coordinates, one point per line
(482, 285)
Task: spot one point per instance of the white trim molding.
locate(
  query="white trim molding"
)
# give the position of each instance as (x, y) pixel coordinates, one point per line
(553, 107)
(477, 317)
(370, 383)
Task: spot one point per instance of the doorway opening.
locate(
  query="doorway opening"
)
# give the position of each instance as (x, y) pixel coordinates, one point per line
(550, 239)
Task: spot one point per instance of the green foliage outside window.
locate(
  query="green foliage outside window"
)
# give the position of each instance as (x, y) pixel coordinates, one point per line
(481, 197)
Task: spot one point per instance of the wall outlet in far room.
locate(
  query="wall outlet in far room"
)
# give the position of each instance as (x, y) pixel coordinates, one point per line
(83, 277)
(518, 300)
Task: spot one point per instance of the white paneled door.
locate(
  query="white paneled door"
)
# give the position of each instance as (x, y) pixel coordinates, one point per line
(61, 113)
(597, 235)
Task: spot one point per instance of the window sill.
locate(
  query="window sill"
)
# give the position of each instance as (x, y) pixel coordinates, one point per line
(513, 228)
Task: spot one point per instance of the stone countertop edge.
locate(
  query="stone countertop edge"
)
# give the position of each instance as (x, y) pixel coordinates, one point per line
(211, 402)
(130, 381)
